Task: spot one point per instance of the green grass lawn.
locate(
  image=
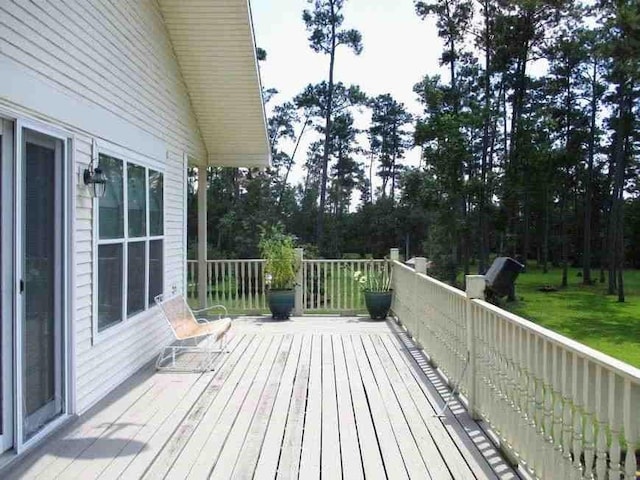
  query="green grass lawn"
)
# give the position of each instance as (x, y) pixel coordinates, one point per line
(584, 313)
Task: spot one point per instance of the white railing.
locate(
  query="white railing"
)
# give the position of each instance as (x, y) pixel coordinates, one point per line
(560, 409)
(237, 284)
(327, 286)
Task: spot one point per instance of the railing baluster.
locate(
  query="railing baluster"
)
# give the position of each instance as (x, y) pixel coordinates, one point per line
(235, 286)
(349, 285)
(263, 282)
(589, 430)
(253, 276)
(614, 424)
(324, 285)
(332, 301)
(314, 286)
(240, 282)
(225, 283)
(630, 432)
(577, 419)
(305, 284)
(601, 417)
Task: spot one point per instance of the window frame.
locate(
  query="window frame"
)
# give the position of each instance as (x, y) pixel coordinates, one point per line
(127, 157)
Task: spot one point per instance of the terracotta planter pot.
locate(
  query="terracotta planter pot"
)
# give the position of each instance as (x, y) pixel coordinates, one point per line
(378, 304)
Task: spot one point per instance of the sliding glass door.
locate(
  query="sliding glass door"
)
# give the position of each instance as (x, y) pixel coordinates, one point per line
(33, 282)
(41, 322)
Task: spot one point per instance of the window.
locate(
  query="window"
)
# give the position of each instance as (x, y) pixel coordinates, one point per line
(130, 241)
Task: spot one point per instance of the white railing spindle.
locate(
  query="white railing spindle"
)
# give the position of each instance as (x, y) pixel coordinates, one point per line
(559, 408)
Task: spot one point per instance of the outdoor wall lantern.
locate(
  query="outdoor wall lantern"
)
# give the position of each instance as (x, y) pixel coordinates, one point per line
(94, 177)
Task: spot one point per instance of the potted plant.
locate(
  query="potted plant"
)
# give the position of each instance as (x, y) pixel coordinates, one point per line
(281, 267)
(377, 291)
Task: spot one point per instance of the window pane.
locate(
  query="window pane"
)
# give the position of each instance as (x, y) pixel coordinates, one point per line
(136, 201)
(109, 285)
(135, 278)
(155, 269)
(111, 212)
(156, 216)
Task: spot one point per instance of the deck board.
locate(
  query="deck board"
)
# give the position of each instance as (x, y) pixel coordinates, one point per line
(269, 412)
(311, 440)
(310, 398)
(289, 463)
(348, 443)
(372, 463)
(331, 466)
(391, 455)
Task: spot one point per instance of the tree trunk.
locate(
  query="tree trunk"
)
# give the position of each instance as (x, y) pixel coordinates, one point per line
(616, 224)
(586, 251)
(545, 241)
(483, 257)
(565, 249)
(371, 179)
(327, 139)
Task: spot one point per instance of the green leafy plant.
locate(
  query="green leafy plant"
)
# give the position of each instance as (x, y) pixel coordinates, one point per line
(281, 262)
(378, 280)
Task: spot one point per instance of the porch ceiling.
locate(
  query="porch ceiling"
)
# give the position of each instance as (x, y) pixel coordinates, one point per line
(214, 44)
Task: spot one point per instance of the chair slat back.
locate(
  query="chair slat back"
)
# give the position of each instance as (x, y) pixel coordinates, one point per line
(180, 317)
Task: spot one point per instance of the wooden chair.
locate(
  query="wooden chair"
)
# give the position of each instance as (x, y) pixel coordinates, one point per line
(196, 336)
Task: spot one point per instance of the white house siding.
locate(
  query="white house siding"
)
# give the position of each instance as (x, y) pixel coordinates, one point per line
(114, 60)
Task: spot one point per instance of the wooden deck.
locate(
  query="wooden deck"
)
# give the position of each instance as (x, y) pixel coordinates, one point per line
(308, 398)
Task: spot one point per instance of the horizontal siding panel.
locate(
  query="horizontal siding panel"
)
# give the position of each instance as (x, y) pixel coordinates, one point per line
(121, 58)
(115, 55)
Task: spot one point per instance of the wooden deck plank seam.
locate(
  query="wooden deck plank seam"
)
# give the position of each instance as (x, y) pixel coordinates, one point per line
(206, 419)
(249, 470)
(332, 422)
(195, 412)
(275, 369)
(263, 462)
(136, 466)
(297, 408)
(363, 419)
(391, 452)
(226, 417)
(340, 369)
(310, 457)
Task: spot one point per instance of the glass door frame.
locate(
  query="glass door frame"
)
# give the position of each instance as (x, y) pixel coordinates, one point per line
(7, 293)
(65, 264)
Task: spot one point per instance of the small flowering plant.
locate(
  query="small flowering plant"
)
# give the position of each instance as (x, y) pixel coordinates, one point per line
(376, 281)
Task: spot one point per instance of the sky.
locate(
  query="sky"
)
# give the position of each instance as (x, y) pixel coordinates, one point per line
(399, 49)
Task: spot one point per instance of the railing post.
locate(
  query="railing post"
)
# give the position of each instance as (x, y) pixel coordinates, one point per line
(475, 287)
(394, 254)
(202, 236)
(298, 307)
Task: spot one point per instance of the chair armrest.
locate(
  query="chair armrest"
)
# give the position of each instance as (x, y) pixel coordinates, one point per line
(221, 307)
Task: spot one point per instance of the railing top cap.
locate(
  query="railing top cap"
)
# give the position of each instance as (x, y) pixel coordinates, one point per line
(619, 367)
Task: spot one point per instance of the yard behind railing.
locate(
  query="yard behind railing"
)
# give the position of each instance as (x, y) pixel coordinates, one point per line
(327, 286)
(560, 409)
